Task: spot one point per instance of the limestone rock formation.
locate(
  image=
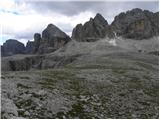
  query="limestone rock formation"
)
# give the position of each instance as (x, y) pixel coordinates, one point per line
(136, 24)
(52, 39)
(11, 47)
(32, 46)
(96, 28)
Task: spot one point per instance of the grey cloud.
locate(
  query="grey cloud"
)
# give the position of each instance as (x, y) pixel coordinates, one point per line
(73, 8)
(108, 9)
(27, 36)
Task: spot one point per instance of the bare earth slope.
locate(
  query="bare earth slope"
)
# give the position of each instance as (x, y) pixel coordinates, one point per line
(102, 81)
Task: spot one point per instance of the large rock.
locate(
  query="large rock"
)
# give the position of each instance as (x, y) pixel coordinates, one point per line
(136, 24)
(52, 39)
(11, 47)
(93, 30)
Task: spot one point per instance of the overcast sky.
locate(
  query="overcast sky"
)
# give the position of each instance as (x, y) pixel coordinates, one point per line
(20, 19)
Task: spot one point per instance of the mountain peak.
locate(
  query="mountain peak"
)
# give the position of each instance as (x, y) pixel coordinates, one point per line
(51, 26)
(53, 31)
(99, 19)
(98, 16)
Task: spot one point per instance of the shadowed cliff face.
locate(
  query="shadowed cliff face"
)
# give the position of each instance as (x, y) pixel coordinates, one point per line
(52, 39)
(93, 30)
(11, 47)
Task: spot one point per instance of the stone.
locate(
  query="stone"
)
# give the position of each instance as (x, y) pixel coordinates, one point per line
(9, 109)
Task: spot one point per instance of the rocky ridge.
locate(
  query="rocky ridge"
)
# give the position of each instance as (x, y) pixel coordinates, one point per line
(135, 24)
(96, 28)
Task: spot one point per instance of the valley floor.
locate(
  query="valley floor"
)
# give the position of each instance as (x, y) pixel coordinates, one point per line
(113, 86)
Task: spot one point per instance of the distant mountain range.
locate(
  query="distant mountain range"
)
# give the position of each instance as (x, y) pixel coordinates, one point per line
(134, 24)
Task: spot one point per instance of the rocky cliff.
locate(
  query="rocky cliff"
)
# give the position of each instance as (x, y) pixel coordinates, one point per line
(11, 47)
(136, 24)
(52, 39)
(33, 46)
(93, 30)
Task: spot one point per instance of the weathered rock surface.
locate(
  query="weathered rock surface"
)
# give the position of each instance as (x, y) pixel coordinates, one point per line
(93, 30)
(136, 24)
(52, 39)
(11, 47)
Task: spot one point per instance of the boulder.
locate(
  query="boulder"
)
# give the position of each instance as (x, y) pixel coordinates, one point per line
(93, 30)
(11, 47)
(136, 24)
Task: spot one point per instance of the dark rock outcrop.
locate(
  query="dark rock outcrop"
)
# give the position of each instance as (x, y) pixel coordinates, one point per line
(136, 24)
(33, 46)
(37, 40)
(2, 50)
(30, 47)
(11, 47)
(93, 30)
(21, 63)
(52, 39)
